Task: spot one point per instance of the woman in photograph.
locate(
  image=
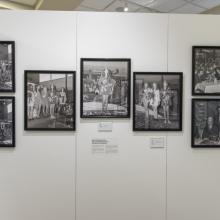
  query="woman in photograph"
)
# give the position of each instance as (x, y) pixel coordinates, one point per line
(62, 100)
(156, 100)
(52, 101)
(45, 101)
(37, 102)
(30, 101)
(146, 98)
(166, 102)
(106, 85)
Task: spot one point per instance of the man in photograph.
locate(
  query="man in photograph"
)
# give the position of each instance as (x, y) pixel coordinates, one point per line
(210, 132)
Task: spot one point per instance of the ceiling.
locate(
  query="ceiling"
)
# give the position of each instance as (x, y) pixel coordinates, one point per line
(67, 5)
(163, 6)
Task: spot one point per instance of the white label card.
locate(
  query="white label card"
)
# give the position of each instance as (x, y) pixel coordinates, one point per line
(158, 142)
(104, 146)
(105, 126)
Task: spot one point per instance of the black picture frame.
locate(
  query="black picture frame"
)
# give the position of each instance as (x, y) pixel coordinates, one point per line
(209, 112)
(200, 86)
(179, 96)
(12, 89)
(73, 101)
(128, 66)
(5, 124)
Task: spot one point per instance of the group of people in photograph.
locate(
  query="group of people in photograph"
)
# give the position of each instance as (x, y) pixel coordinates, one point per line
(45, 102)
(153, 97)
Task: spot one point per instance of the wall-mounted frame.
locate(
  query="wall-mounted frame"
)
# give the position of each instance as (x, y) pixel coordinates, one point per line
(7, 66)
(105, 88)
(205, 123)
(206, 70)
(157, 101)
(7, 121)
(49, 100)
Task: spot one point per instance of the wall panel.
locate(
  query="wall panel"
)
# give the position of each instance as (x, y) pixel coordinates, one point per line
(37, 177)
(130, 184)
(193, 174)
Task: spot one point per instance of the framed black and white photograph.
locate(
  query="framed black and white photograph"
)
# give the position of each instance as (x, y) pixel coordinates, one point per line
(7, 66)
(49, 100)
(157, 101)
(206, 70)
(105, 88)
(205, 123)
(7, 121)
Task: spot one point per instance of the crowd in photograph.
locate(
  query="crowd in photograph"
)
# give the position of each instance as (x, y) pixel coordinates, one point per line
(206, 73)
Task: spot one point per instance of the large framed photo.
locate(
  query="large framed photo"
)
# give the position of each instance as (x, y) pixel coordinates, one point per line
(205, 123)
(7, 66)
(49, 100)
(206, 70)
(7, 121)
(105, 88)
(157, 101)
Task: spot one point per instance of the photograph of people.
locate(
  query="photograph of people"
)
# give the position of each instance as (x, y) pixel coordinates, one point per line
(105, 87)
(7, 66)
(7, 121)
(157, 101)
(206, 70)
(205, 122)
(50, 100)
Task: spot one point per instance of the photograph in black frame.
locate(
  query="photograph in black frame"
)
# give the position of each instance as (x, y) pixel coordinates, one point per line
(206, 70)
(157, 101)
(105, 88)
(205, 131)
(7, 121)
(49, 100)
(7, 66)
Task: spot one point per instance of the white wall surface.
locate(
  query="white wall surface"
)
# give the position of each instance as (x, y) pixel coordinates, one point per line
(193, 174)
(37, 178)
(131, 184)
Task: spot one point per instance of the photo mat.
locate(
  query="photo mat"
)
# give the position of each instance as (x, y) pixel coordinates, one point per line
(105, 88)
(7, 66)
(206, 70)
(205, 123)
(157, 101)
(49, 100)
(7, 121)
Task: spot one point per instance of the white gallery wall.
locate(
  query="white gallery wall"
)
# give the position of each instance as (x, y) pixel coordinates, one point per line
(130, 184)
(57, 175)
(37, 177)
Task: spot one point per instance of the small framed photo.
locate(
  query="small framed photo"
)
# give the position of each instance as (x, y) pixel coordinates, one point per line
(157, 101)
(7, 121)
(105, 88)
(205, 123)
(49, 100)
(206, 70)
(7, 66)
